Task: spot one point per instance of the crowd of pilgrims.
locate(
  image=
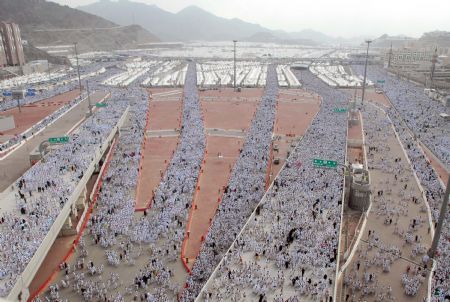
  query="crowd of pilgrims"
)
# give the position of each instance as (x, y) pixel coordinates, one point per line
(434, 192)
(406, 230)
(163, 228)
(158, 231)
(288, 249)
(420, 112)
(245, 189)
(44, 122)
(45, 94)
(42, 192)
(276, 257)
(435, 134)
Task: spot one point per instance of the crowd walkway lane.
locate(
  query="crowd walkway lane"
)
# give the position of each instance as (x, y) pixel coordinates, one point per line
(390, 218)
(295, 113)
(31, 114)
(227, 116)
(221, 155)
(441, 170)
(18, 162)
(160, 141)
(63, 248)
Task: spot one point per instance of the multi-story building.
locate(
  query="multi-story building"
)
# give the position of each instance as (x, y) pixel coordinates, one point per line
(12, 44)
(3, 61)
(408, 58)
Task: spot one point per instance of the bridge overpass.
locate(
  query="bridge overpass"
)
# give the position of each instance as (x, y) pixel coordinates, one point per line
(63, 221)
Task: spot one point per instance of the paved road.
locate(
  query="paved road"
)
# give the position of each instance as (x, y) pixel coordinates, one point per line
(386, 253)
(15, 165)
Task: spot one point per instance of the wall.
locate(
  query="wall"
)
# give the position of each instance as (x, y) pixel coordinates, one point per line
(24, 280)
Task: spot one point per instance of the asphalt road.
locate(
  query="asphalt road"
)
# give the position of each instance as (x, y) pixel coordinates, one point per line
(16, 163)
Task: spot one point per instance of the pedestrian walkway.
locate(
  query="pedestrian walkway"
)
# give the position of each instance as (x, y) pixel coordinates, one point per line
(17, 162)
(294, 115)
(226, 123)
(160, 141)
(388, 263)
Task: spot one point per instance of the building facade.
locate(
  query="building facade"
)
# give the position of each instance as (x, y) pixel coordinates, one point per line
(408, 58)
(12, 44)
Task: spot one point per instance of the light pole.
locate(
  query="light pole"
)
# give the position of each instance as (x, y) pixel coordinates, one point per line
(437, 233)
(234, 82)
(78, 66)
(89, 98)
(365, 72)
(48, 70)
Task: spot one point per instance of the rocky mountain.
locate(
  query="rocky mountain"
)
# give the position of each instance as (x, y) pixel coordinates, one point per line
(267, 37)
(45, 23)
(427, 40)
(32, 53)
(396, 41)
(194, 24)
(436, 38)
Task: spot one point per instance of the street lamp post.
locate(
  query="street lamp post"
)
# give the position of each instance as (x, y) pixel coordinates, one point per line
(440, 223)
(78, 66)
(365, 72)
(89, 98)
(234, 81)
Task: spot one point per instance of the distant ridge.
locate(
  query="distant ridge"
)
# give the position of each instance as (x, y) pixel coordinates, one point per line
(196, 24)
(43, 23)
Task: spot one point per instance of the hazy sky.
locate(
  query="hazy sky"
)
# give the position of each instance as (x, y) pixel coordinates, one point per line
(346, 18)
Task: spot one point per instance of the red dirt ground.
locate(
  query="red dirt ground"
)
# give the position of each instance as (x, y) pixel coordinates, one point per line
(224, 112)
(157, 155)
(226, 109)
(33, 113)
(295, 111)
(213, 178)
(222, 109)
(228, 115)
(164, 114)
(247, 93)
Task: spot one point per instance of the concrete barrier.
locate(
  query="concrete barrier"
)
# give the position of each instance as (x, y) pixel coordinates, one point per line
(25, 278)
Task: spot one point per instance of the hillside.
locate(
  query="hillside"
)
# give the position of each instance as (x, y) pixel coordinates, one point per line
(48, 23)
(267, 37)
(32, 53)
(193, 24)
(438, 38)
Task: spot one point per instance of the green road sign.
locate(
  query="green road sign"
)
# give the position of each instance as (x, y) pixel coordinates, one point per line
(58, 140)
(381, 81)
(99, 105)
(340, 110)
(324, 163)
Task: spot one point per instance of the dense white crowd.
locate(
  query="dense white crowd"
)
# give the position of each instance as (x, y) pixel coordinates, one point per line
(434, 192)
(288, 249)
(396, 201)
(420, 114)
(42, 123)
(164, 226)
(42, 192)
(245, 189)
(39, 96)
(45, 94)
(161, 229)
